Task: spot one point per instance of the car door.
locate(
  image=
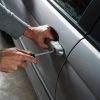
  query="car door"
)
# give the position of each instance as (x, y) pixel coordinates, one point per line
(44, 75)
(79, 78)
(45, 13)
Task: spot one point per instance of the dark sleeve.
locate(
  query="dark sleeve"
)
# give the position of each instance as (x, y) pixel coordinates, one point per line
(10, 23)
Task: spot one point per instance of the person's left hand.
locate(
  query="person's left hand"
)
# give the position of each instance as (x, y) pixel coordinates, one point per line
(39, 34)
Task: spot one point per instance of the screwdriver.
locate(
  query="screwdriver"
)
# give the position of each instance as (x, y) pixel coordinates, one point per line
(43, 53)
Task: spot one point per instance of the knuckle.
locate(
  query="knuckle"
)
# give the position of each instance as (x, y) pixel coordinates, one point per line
(40, 45)
(24, 65)
(18, 54)
(27, 58)
(21, 57)
(8, 71)
(19, 63)
(48, 25)
(14, 68)
(15, 48)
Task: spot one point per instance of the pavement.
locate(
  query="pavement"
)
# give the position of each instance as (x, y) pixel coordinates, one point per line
(16, 85)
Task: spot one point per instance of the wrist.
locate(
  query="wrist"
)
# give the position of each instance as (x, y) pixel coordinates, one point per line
(1, 55)
(29, 32)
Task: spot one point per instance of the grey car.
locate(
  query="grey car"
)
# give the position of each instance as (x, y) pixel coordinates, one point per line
(76, 74)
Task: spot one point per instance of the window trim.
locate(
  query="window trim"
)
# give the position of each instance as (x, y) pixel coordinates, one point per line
(93, 42)
(67, 17)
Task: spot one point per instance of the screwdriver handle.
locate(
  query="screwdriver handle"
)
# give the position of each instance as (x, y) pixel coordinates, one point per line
(33, 54)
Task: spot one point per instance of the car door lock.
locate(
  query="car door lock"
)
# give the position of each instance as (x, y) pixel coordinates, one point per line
(58, 49)
(55, 48)
(54, 45)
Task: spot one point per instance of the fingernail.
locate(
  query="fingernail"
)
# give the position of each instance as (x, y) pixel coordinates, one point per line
(34, 62)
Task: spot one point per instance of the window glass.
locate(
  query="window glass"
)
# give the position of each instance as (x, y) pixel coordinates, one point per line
(95, 34)
(74, 8)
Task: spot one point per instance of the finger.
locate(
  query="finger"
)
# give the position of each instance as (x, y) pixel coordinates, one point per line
(28, 57)
(13, 68)
(35, 61)
(6, 71)
(9, 71)
(49, 36)
(43, 45)
(23, 64)
(49, 33)
(23, 56)
(23, 51)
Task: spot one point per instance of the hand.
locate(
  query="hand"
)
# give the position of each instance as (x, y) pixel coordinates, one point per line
(39, 34)
(13, 58)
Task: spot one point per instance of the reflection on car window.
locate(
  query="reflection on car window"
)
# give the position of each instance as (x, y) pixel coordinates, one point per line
(74, 8)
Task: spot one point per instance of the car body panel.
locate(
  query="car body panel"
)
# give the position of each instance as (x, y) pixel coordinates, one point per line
(68, 35)
(87, 66)
(81, 55)
(71, 87)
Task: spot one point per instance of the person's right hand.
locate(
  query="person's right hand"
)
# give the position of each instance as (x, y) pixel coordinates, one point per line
(39, 34)
(12, 58)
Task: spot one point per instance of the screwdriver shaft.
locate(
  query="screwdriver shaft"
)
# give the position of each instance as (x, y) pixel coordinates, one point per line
(44, 53)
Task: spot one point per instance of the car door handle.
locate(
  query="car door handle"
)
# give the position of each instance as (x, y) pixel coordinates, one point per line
(54, 44)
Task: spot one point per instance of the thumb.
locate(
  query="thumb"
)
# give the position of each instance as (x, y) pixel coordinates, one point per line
(43, 45)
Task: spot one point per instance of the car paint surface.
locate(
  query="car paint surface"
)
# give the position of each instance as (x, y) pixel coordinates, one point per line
(78, 79)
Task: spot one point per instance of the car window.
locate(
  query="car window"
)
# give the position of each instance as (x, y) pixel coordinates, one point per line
(75, 8)
(95, 35)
